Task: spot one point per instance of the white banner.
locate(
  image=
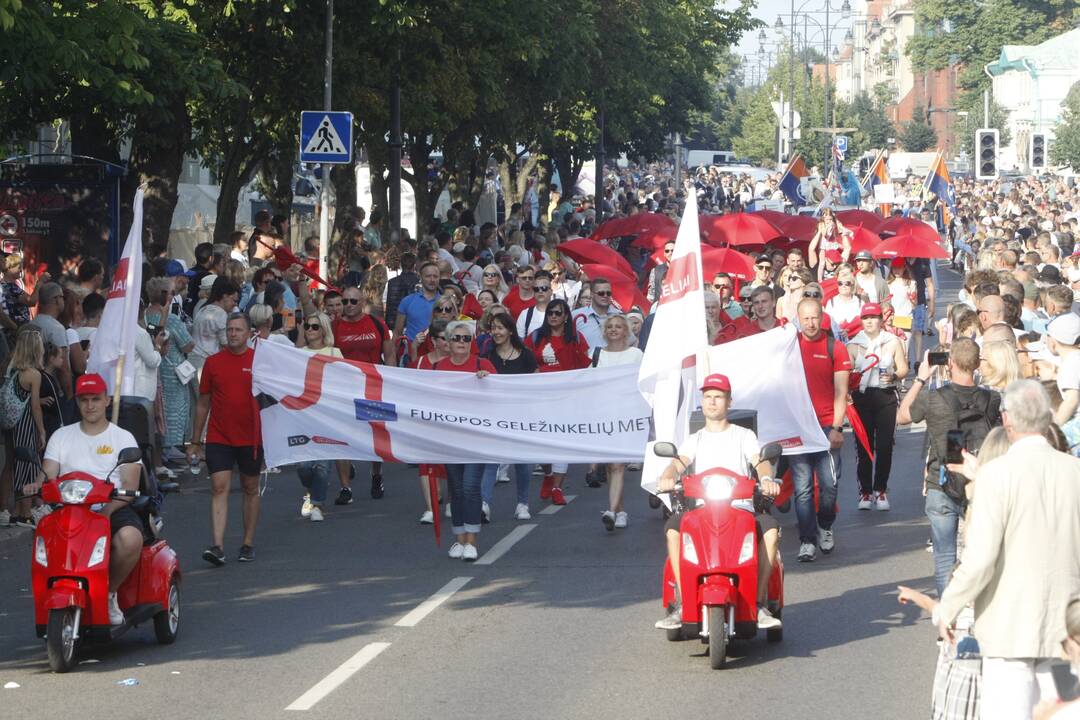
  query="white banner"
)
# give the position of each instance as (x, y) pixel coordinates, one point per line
(327, 408)
(766, 373)
(115, 337)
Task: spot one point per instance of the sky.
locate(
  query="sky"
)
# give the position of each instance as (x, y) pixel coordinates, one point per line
(767, 10)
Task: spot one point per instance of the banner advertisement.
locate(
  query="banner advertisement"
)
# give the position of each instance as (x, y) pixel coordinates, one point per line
(319, 408)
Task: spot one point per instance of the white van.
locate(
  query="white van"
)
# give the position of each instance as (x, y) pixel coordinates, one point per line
(696, 158)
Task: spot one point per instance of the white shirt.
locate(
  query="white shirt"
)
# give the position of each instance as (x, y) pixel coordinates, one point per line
(73, 450)
(446, 255)
(843, 311)
(590, 325)
(1068, 376)
(535, 322)
(734, 449)
(869, 286)
(208, 331)
(611, 358)
(147, 360)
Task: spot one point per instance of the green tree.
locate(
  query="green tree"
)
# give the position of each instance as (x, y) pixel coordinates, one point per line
(872, 122)
(917, 135)
(1065, 147)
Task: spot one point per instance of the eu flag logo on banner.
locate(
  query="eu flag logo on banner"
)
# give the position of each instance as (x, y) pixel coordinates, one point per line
(375, 411)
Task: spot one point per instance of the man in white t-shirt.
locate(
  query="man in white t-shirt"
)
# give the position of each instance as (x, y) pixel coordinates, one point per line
(732, 447)
(1063, 340)
(93, 446)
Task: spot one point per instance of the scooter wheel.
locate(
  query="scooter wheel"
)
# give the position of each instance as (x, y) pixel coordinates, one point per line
(60, 639)
(167, 622)
(718, 637)
(654, 502)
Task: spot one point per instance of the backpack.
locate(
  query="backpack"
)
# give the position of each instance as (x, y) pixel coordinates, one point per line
(972, 417)
(12, 406)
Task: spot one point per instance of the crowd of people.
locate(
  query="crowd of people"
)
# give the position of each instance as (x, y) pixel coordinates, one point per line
(998, 374)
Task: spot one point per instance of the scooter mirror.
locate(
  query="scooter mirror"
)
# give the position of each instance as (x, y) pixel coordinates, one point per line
(665, 450)
(771, 452)
(129, 455)
(26, 455)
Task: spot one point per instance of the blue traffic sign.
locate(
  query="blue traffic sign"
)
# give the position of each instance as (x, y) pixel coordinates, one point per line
(842, 143)
(326, 137)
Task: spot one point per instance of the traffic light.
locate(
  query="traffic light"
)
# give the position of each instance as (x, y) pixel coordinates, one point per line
(1038, 151)
(986, 154)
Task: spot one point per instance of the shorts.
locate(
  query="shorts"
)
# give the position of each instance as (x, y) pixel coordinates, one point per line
(763, 521)
(222, 458)
(125, 517)
(918, 319)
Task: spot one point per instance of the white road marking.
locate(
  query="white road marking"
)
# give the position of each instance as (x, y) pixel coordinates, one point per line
(425, 608)
(503, 546)
(552, 509)
(342, 673)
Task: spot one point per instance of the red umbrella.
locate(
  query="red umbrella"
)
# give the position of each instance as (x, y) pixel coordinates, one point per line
(909, 245)
(655, 239)
(624, 290)
(284, 259)
(738, 229)
(870, 221)
(632, 225)
(799, 227)
(776, 217)
(899, 225)
(732, 262)
(863, 239)
(584, 250)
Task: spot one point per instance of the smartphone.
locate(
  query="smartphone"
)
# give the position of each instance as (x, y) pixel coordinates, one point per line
(1067, 684)
(938, 358)
(954, 444)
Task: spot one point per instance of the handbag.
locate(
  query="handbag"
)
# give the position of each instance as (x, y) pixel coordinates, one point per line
(185, 371)
(12, 406)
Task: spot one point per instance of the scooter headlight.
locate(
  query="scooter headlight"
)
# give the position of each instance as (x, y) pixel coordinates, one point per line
(689, 552)
(747, 550)
(40, 556)
(98, 553)
(75, 491)
(718, 487)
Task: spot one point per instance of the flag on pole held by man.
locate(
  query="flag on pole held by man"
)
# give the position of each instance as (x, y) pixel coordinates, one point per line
(939, 182)
(878, 175)
(115, 337)
(791, 182)
(666, 376)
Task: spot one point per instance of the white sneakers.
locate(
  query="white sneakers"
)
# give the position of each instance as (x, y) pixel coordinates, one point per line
(620, 519)
(881, 501)
(807, 552)
(485, 510)
(825, 540)
(875, 501)
(866, 501)
(613, 520)
(447, 512)
(116, 615)
(766, 620)
(503, 475)
(463, 552)
(521, 512)
(428, 518)
(305, 508)
(316, 514)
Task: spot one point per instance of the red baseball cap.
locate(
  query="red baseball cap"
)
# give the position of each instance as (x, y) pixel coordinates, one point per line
(91, 384)
(716, 381)
(871, 310)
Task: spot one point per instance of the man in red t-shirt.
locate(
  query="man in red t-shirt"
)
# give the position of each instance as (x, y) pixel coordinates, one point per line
(827, 366)
(232, 439)
(762, 316)
(521, 296)
(364, 338)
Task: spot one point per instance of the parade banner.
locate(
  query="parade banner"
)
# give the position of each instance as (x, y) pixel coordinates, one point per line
(766, 373)
(315, 407)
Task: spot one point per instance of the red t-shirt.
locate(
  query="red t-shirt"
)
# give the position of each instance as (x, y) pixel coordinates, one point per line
(361, 340)
(819, 369)
(472, 364)
(515, 304)
(568, 356)
(227, 379)
(748, 327)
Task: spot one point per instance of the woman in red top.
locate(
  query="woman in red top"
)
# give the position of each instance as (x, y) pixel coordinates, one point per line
(464, 479)
(557, 346)
(436, 332)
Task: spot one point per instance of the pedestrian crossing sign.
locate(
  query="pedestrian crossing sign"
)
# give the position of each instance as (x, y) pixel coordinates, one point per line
(326, 137)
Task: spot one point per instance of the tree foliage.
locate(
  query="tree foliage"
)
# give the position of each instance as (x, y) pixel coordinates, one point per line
(1065, 147)
(917, 135)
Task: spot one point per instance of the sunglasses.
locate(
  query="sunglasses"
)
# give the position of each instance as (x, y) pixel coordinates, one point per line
(461, 338)
(526, 277)
(811, 294)
(845, 283)
(444, 308)
(487, 274)
(555, 313)
(312, 326)
(765, 266)
(602, 293)
(350, 301)
(541, 288)
(721, 286)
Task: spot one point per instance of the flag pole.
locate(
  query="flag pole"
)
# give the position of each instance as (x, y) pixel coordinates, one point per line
(119, 381)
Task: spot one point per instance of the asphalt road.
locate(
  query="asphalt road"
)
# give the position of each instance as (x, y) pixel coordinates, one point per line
(332, 617)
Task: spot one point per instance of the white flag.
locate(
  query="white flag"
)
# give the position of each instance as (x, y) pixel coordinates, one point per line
(115, 337)
(678, 334)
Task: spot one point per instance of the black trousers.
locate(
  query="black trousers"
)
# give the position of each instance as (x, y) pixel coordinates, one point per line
(877, 408)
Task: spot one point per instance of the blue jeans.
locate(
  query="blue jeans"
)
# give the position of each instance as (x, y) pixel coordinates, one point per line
(803, 468)
(522, 476)
(464, 482)
(315, 476)
(944, 514)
